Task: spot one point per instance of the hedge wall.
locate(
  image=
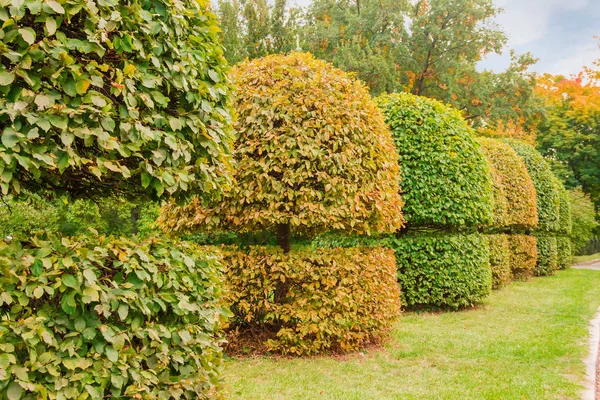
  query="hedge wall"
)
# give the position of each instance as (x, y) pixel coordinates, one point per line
(548, 200)
(564, 252)
(547, 263)
(565, 219)
(499, 248)
(313, 301)
(102, 317)
(519, 209)
(442, 271)
(523, 256)
(446, 178)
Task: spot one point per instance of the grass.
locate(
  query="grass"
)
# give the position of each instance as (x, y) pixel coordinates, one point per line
(526, 342)
(583, 259)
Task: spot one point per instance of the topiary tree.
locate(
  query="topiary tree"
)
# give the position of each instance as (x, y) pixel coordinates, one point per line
(548, 200)
(547, 262)
(313, 155)
(113, 98)
(523, 256)
(446, 178)
(499, 248)
(518, 212)
(565, 222)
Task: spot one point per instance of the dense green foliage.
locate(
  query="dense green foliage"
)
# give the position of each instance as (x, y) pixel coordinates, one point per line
(112, 98)
(499, 248)
(516, 209)
(548, 199)
(565, 219)
(312, 301)
(313, 154)
(547, 263)
(523, 256)
(564, 252)
(584, 219)
(445, 177)
(100, 317)
(445, 271)
(109, 216)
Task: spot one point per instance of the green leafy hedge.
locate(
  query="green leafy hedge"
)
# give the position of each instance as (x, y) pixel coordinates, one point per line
(548, 199)
(523, 256)
(111, 97)
(564, 252)
(547, 263)
(445, 271)
(445, 176)
(312, 301)
(565, 218)
(517, 210)
(499, 248)
(102, 317)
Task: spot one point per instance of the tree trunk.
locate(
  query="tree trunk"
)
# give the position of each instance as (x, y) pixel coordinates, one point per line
(284, 237)
(135, 216)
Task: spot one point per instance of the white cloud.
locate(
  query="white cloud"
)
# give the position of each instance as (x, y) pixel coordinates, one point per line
(582, 55)
(526, 21)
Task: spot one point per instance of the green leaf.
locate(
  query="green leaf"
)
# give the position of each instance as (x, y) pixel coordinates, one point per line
(70, 281)
(68, 303)
(14, 391)
(214, 76)
(146, 179)
(6, 78)
(37, 268)
(10, 138)
(55, 6)
(28, 35)
(123, 311)
(50, 25)
(111, 353)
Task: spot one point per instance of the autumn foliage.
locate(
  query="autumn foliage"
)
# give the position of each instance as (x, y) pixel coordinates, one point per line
(523, 255)
(312, 301)
(313, 153)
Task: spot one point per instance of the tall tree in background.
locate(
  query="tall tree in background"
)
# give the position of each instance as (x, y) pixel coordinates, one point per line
(570, 134)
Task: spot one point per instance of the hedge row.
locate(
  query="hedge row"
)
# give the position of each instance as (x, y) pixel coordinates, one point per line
(523, 256)
(312, 301)
(515, 197)
(101, 317)
(547, 263)
(445, 271)
(499, 248)
(446, 178)
(565, 252)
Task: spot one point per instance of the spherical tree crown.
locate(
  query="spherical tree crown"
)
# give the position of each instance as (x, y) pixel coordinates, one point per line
(519, 210)
(312, 151)
(445, 176)
(112, 97)
(547, 196)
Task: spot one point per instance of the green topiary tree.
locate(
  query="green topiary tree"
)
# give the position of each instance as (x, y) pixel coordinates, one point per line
(313, 155)
(548, 199)
(446, 178)
(499, 248)
(518, 211)
(547, 262)
(113, 98)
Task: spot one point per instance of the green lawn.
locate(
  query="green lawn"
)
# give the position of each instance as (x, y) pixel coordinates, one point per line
(526, 342)
(583, 259)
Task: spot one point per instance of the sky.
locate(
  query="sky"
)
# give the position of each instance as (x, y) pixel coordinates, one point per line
(558, 32)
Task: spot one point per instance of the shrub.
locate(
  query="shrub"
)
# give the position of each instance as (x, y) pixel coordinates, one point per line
(106, 97)
(548, 200)
(523, 256)
(313, 155)
(583, 216)
(499, 249)
(445, 271)
(102, 317)
(565, 220)
(519, 211)
(313, 301)
(547, 263)
(564, 252)
(445, 177)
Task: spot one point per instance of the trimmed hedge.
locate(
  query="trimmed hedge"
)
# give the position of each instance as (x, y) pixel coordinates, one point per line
(547, 263)
(313, 301)
(523, 256)
(313, 152)
(548, 199)
(445, 176)
(101, 317)
(565, 252)
(443, 271)
(565, 218)
(519, 209)
(499, 248)
(109, 97)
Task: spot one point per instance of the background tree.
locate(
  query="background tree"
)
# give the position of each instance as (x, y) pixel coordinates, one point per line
(584, 219)
(570, 133)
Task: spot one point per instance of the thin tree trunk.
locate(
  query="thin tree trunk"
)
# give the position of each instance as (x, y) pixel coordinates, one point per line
(284, 237)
